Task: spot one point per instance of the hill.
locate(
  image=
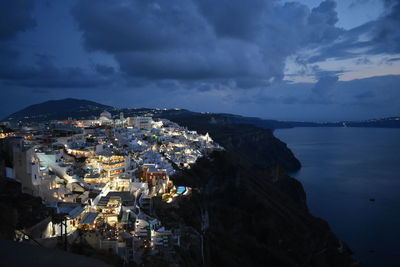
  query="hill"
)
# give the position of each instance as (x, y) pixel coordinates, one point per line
(58, 109)
(83, 109)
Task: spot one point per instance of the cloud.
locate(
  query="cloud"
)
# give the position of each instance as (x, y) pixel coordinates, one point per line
(325, 84)
(363, 61)
(356, 3)
(235, 18)
(387, 30)
(204, 40)
(15, 16)
(348, 100)
(322, 91)
(365, 95)
(119, 26)
(325, 13)
(44, 74)
(394, 59)
(18, 74)
(104, 69)
(380, 36)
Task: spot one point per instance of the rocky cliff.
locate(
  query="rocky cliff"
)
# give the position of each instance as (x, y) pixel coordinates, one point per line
(245, 209)
(250, 144)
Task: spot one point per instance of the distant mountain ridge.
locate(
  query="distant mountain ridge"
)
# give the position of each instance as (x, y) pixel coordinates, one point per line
(84, 109)
(58, 109)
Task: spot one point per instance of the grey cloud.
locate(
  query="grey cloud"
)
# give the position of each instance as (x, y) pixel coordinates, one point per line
(324, 85)
(380, 92)
(235, 18)
(374, 37)
(118, 26)
(8, 56)
(200, 40)
(104, 69)
(343, 49)
(40, 91)
(323, 91)
(15, 16)
(323, 19)
(365, 95)
(251, 83)
(357, 3)
(290, 100)
(204, 87)
(387, 30)
(44, 74)
(325, 13)
(229, 60)
(394, 59)
(258, 99)
(363, 61)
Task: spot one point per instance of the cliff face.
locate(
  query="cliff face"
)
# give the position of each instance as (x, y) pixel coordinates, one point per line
(257, 217)
(247, 210)
(250, 144)
(19, 211)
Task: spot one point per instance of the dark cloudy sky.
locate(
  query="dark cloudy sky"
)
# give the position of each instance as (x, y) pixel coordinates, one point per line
(293, 60)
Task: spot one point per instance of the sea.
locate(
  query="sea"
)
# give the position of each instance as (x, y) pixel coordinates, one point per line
(352, 180)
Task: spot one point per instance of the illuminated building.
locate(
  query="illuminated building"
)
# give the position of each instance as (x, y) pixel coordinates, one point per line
(105, 117)
(140, 122)
(156, 178)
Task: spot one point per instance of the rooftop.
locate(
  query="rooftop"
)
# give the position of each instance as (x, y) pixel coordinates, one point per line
(89, 218)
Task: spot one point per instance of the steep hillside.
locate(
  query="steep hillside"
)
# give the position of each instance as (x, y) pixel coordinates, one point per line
(250, 216)
(251, 144)
(58, 109)
(245, 209)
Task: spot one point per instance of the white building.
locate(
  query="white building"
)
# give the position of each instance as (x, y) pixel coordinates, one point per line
(105, 117)
(140, 122)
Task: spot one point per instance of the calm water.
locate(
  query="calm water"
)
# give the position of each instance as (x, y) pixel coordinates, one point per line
(342, 169)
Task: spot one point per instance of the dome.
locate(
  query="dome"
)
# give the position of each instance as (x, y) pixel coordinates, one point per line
(105, 114)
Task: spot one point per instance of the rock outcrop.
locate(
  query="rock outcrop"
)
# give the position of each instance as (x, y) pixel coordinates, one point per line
(245, 208)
